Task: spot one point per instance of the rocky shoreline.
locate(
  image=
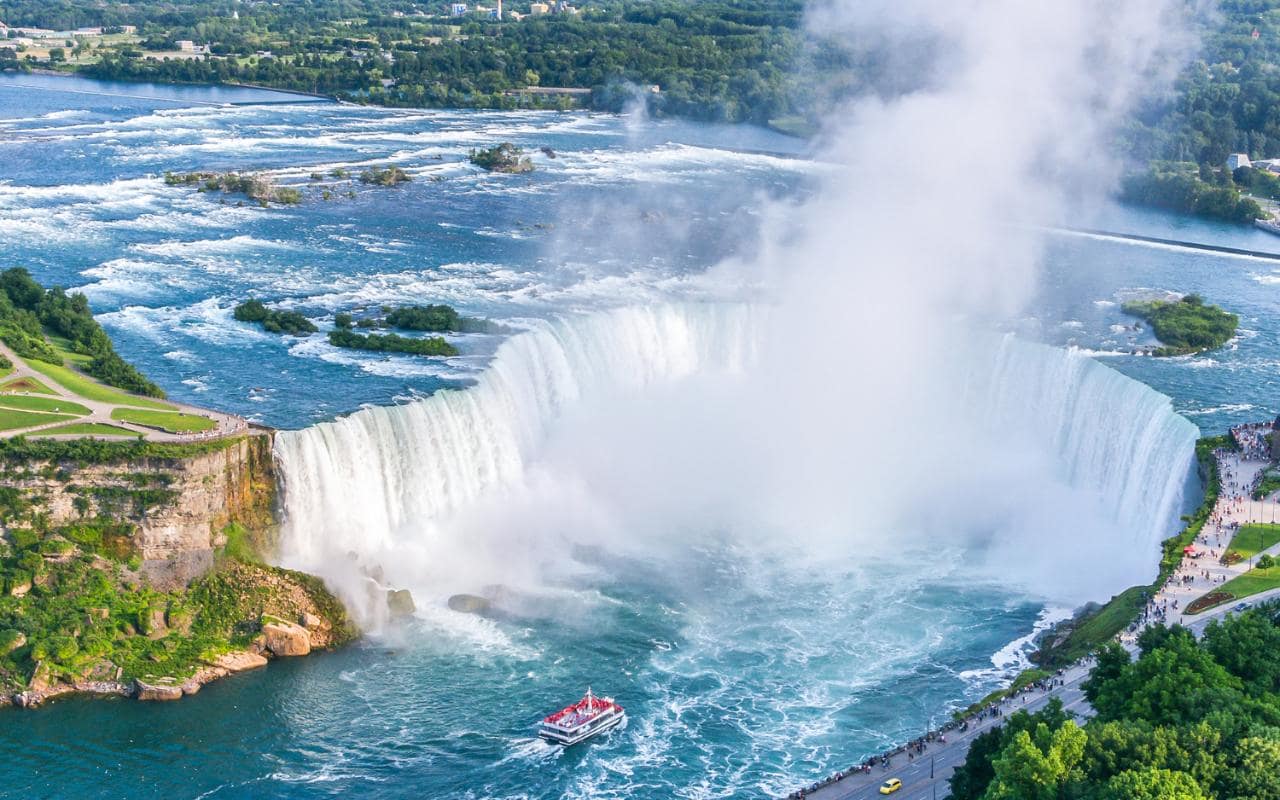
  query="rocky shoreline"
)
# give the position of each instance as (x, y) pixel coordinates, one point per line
(279, 639)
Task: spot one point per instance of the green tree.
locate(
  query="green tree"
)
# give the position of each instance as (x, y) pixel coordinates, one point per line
(1038, 766)
(1256, 773)
(1153, 784)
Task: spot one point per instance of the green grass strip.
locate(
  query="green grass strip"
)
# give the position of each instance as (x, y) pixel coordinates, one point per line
(172, 421)
(1255, 581)
(90, 389)
(86, 429)
(56, 405)
(1253, 539)
(13, 420)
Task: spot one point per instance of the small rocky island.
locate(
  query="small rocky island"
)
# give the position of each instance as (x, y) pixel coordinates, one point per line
(263, 191)
(255, 187)
(1185, 326)
(505, 157)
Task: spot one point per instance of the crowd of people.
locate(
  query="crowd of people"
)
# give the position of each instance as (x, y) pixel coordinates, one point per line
(1254, 440)
(1223, 523)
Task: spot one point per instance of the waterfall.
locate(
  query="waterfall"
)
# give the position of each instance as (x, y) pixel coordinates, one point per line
(383, 479)
(1114, 437)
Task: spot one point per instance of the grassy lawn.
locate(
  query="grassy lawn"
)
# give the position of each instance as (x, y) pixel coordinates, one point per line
(90, 389)
(1251, 540)
(4, 371)
(1251, 583)
(55, 404)
(171, 421)
(88, 429)
(12, 420)
(26, 385)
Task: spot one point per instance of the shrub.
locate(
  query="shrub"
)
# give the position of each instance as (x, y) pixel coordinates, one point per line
(291, 322)
(392, 343)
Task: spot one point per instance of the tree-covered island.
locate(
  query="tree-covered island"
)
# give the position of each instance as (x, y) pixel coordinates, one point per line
(1185, 326)
(505, 157)
(293, 323)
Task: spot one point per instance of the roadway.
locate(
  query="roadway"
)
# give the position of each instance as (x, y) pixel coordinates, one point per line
(926, 776)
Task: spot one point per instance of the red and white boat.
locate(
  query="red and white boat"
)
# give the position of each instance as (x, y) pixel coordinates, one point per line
(582, 720)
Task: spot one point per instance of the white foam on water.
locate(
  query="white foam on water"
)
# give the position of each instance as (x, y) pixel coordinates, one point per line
(1226, 408)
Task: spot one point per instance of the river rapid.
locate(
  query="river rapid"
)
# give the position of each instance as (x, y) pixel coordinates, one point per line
(745, 668)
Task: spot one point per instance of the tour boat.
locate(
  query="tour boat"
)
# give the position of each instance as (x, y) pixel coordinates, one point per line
(582, 720)
(1268, 225)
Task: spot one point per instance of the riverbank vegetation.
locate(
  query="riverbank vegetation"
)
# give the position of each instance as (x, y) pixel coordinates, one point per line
(1188, 719)
(1179, 187)
(75, 607)
(31, 314)
(1185, 326)
(293, 323)
(60, 453)
(718, 60)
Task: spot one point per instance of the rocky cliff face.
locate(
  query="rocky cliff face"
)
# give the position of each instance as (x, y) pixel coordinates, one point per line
(174, 511)
(138, 569)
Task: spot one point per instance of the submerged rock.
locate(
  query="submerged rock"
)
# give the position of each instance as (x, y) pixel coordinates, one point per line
(400, 602)
(469, 603)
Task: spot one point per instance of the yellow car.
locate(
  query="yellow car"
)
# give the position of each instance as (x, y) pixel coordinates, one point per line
(890, 786)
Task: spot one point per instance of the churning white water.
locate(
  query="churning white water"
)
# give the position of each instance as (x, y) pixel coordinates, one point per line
(427, 489)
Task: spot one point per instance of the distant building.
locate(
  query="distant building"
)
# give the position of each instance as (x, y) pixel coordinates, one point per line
(88, 31)
(186, 45)
(458, 10)
(128, 28)
(1237, 160)
(538, 9)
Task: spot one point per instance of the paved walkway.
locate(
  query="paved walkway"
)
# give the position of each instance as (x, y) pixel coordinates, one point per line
(100, 412)
(1196, 576)
(926, 776)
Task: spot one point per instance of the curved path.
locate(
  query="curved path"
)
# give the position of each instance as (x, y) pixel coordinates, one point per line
(100, 412)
